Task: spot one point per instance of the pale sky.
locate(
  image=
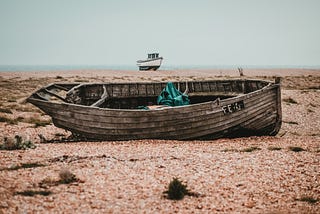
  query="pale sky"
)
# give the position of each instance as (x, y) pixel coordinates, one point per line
(184, 32)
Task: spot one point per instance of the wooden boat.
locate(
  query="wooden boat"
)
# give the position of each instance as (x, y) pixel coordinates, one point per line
(153, 62)
(109, 111)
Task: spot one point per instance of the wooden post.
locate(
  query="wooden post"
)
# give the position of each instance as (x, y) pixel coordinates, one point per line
(240, 71)
(278, 80)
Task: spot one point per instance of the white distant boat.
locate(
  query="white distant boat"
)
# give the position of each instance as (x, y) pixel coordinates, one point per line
(153, 62)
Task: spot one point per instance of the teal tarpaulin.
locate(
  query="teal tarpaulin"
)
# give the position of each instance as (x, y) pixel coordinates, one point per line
(170, 96)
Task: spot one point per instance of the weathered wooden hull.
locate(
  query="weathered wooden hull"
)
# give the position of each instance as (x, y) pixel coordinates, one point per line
(254, 113)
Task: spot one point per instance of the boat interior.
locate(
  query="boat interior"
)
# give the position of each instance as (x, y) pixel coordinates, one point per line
(136, 95)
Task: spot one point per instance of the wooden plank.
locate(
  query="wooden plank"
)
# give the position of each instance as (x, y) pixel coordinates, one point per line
(60, 87)
(140, 132)
(41, 97)
(55, 95)
(214, 129)
(143, 116)
(163, 129)
(112, 134)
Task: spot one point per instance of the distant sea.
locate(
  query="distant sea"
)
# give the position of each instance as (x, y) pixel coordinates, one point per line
(13, 68)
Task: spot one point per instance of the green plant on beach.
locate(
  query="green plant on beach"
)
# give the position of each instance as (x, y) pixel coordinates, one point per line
(176, 190)
(16, 143)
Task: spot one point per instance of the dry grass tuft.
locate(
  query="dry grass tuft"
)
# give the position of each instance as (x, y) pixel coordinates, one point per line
(274, 148)
(67, 177)
(250, 149)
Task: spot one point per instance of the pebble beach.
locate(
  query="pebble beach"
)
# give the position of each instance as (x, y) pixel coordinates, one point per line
(278, 174)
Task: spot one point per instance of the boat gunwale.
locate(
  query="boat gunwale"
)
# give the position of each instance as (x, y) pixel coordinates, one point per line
(205, 107)
(237, 98)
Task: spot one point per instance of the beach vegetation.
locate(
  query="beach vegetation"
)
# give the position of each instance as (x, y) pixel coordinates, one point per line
(250, 149)
(41, 123)
(296, 133)
(4, 120)
(296, 149)
(310, 110)
(291, 122)
(47, 182)
(312, 105)
(290, 100)
(11, 121)
(4, 110)
(176, 189)
(274, 148)
(23, 108)
(308, 199)
(24, 166)
(16, 143)
(67, 177)
(11, 100)
(34, 192)
(314, 87)
(37, 122)
(229, 150)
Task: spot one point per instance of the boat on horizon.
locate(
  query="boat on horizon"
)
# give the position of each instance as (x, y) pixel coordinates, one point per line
(153, 62)
(111, 111)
